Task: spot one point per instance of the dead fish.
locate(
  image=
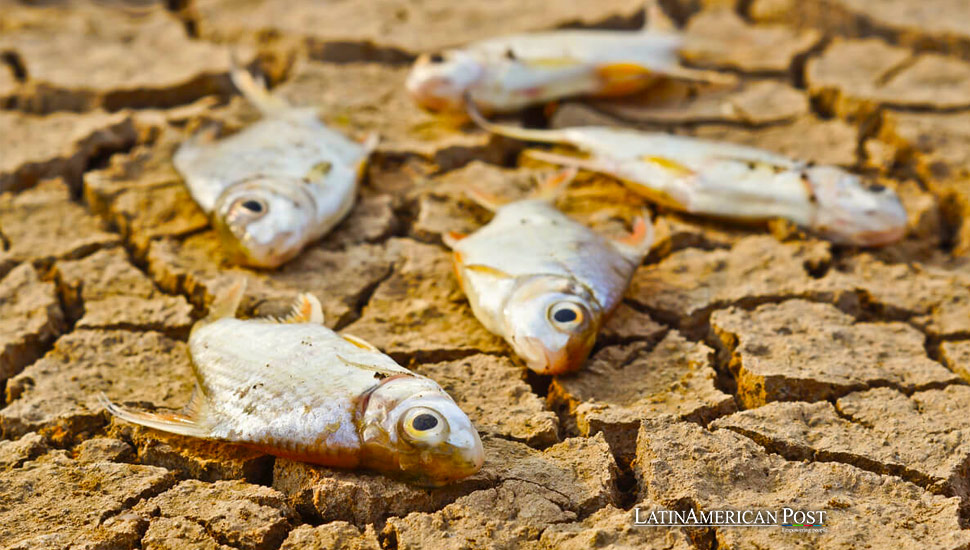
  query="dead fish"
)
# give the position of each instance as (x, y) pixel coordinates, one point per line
(543, 281)
(293, 388)
(277, 185)
(730, 181)
(511, 72)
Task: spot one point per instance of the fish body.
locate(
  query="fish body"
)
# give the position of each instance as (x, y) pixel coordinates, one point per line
(511, 72)
(545, 282)
(730, 181)
(277, 185)
(296, 389)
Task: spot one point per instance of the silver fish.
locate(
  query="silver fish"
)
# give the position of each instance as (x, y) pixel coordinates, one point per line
(543, 281)
(508, 73)
(729, 181)
(277, 185)
(293, 388)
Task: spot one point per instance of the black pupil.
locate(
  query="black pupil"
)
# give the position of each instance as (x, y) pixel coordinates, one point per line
(564, 316)
(877, 187)
(253, 206)
(437, 58)
(424, 422)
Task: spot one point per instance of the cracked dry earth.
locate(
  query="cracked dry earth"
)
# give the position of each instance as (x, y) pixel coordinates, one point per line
(748, 367)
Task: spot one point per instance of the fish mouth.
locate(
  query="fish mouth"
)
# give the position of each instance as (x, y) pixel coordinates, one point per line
(549, 362)
(435, 94)
(880, 237)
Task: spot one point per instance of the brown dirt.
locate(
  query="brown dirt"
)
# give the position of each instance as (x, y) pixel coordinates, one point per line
(749, 366)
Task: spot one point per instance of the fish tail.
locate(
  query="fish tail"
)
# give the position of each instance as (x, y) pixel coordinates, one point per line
(524, 134)
(227, 302)
(178, 423)
(254, 90)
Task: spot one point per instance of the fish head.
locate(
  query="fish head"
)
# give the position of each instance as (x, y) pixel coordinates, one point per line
(264, 222)
(438, 82)
(551, 323)
(852, 212)
(414, 430)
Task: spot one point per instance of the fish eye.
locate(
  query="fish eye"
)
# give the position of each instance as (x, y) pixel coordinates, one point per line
(877, 187)
(251, 207)
(424, 427)
(436, 58)
(567, 315)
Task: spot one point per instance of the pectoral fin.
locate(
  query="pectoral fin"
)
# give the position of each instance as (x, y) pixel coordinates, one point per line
(668, 164)
(487, 270)
(619, 79)
(451, 238)
(637, 244)
(359, 342)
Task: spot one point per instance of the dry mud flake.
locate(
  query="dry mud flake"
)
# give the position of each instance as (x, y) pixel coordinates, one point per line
(234, 513)
(921, 438)
(685, 287)
(58, 395)
(721, 39)
(493, 392)
(805, 351)
(527, 492)
(197, 268)
(580, 470)
(363, 98)
(195, 458)
(937, 145)
(55, 502)
(956, 356)
(43, 224)
(854, 77)
(30, 319)
(936, 300)
(420, 313)
(621, 385)
(141, 194)
(14, 453)
(103, 449)
(611, 528)
(57, 145)
(943, 25)
(84, 69)
(105, 291)
(395, 30)
(670, 103)
(681, 465)
(337, 535)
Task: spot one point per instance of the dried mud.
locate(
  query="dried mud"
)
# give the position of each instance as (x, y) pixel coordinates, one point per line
(749, 366)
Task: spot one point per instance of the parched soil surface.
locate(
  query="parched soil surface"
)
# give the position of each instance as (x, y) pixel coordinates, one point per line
(749, 367)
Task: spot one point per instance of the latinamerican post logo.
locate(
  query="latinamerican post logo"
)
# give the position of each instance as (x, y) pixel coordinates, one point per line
(788, 519)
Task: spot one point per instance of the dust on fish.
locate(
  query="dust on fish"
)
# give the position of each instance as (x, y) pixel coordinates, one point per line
(543, 281)
(277, 185)
(293, 388)
(730, 181)
(511, 72)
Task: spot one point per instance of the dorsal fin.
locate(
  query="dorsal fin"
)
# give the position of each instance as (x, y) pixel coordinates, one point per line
(306, 309)
(655, 20)
(189, 422)
(359, 342)
(227, 302)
